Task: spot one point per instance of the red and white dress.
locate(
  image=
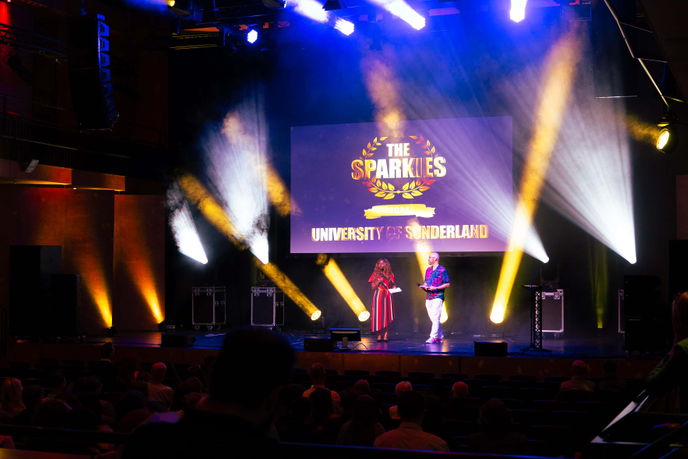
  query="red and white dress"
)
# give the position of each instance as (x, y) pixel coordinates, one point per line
(383, 305)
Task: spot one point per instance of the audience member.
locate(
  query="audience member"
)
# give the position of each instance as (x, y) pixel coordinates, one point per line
(497, 435)
(348, 399)
(191, 385)
(51, 414)
(611, 383)
(403, 386)
(128, 402)
(318, 375)
(236, 416)
(11, 397)
(457, 407)
(70, 399)
(90, 401)
(578, 381)
(157, 391)
(672, 371)
(323, 410)
(410, 434)
(363, 428)
(105, 368)
(143, 376)
(142, 387)
(171, 378)
(32, 396)
(128, 372)
(362, 387)
(56, 383)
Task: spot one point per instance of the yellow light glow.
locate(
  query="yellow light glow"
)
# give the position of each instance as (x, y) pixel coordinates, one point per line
(171, 3)
(362, 317)
(663, 138)
(338, 280)
(292, 291)
(559, 75)
(278, 193)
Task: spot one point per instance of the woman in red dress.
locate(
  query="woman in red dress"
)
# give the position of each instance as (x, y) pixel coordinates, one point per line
(382, 315)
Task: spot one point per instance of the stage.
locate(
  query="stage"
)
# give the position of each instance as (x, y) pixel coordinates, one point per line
(404, 352)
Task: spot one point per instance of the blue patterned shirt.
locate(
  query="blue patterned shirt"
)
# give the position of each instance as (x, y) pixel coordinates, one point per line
(435, 278)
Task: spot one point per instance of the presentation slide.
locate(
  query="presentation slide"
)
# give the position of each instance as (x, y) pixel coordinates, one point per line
(441, 184)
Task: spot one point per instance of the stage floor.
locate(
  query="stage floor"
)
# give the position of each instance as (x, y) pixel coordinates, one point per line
(400, 343)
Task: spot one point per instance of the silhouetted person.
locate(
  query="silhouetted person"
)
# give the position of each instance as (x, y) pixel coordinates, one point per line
(401, 387)
(128, 372)
(298, 430)
(611, 383)
(497, 435)
(157, 391)
(318, 375)
(32, 396)
(363, 428)
(11, 397)
(457, 406)
(56, 384)
(236, 417)
(578, 381)
(410, 434)
(105, 368)
(672, 371)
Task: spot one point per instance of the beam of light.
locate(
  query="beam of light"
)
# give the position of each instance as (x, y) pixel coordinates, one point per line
(344, 26)
(339, 281)
(552, 102)
(589, 180)
(183, 227)
(403, 11)
(292, 291)
(423, 249)
(310, 9)
(236, 158)
(382, 86)
(599, 276)
(252, 36)
(278, 194)
(518, 10)
(199, 196)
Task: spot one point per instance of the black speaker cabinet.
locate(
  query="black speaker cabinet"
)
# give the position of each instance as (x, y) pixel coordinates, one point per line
(89, 72)
(177, 340)
(31, 270)
(488, 349)
(63, 313)
(318, 344)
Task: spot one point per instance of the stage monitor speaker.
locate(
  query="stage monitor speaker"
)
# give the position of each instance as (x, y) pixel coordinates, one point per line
(31, 268)
(642, 297)
(318, 344)
(487, 349)
(89, 72)
(177, 340)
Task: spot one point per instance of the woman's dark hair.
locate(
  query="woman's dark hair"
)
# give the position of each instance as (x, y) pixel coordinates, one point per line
(387, 268)
(361, 431)
(322, 406)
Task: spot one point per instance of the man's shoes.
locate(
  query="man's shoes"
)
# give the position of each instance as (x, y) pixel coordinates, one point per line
(431, 341)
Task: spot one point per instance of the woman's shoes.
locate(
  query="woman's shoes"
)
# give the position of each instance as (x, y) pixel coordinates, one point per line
(385, 340)
(379, 338)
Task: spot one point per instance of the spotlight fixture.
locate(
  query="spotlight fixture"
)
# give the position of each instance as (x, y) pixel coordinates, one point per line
(344, 26)
(316, 315)
(182, 8)
(252, 36)
(668, 134)
(362, 317)
(518, 10)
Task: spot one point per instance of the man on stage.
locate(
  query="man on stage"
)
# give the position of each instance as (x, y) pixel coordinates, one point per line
(436, 281)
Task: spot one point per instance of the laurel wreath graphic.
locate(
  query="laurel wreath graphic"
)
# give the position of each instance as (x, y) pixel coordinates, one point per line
(411, 189)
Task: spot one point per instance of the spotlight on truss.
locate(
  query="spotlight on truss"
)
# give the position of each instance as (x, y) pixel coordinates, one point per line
(518, 10)
(344, 26)
(668, 134)
(252, 36)
(182, 8)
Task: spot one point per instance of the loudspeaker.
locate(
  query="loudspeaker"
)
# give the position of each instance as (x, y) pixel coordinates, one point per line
(31, 270)
(318, 344)
(487, 349)
(89, 73)
(177, 340)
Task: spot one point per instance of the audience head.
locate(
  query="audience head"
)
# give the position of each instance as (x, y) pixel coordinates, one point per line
(362, 387)
(459, 390)
(411, 406)
(301, 410)
(609, 368)
(318, 374)
(158, 372)
(52, 413)
(365, 410)
(70, 399)
(190, 401)
(580, 368)
(56, 382)
(11, 394)
(129, 369)
(142, 387)
(495, 418)
(143, 376)
(128, 402)
(87, 384)
(251, 351)
(32, 396)
(403, 386)
(107, 351)
(348, 400)
(90, 401)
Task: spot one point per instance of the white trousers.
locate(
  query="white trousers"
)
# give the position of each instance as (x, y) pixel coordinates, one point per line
(434, 308)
